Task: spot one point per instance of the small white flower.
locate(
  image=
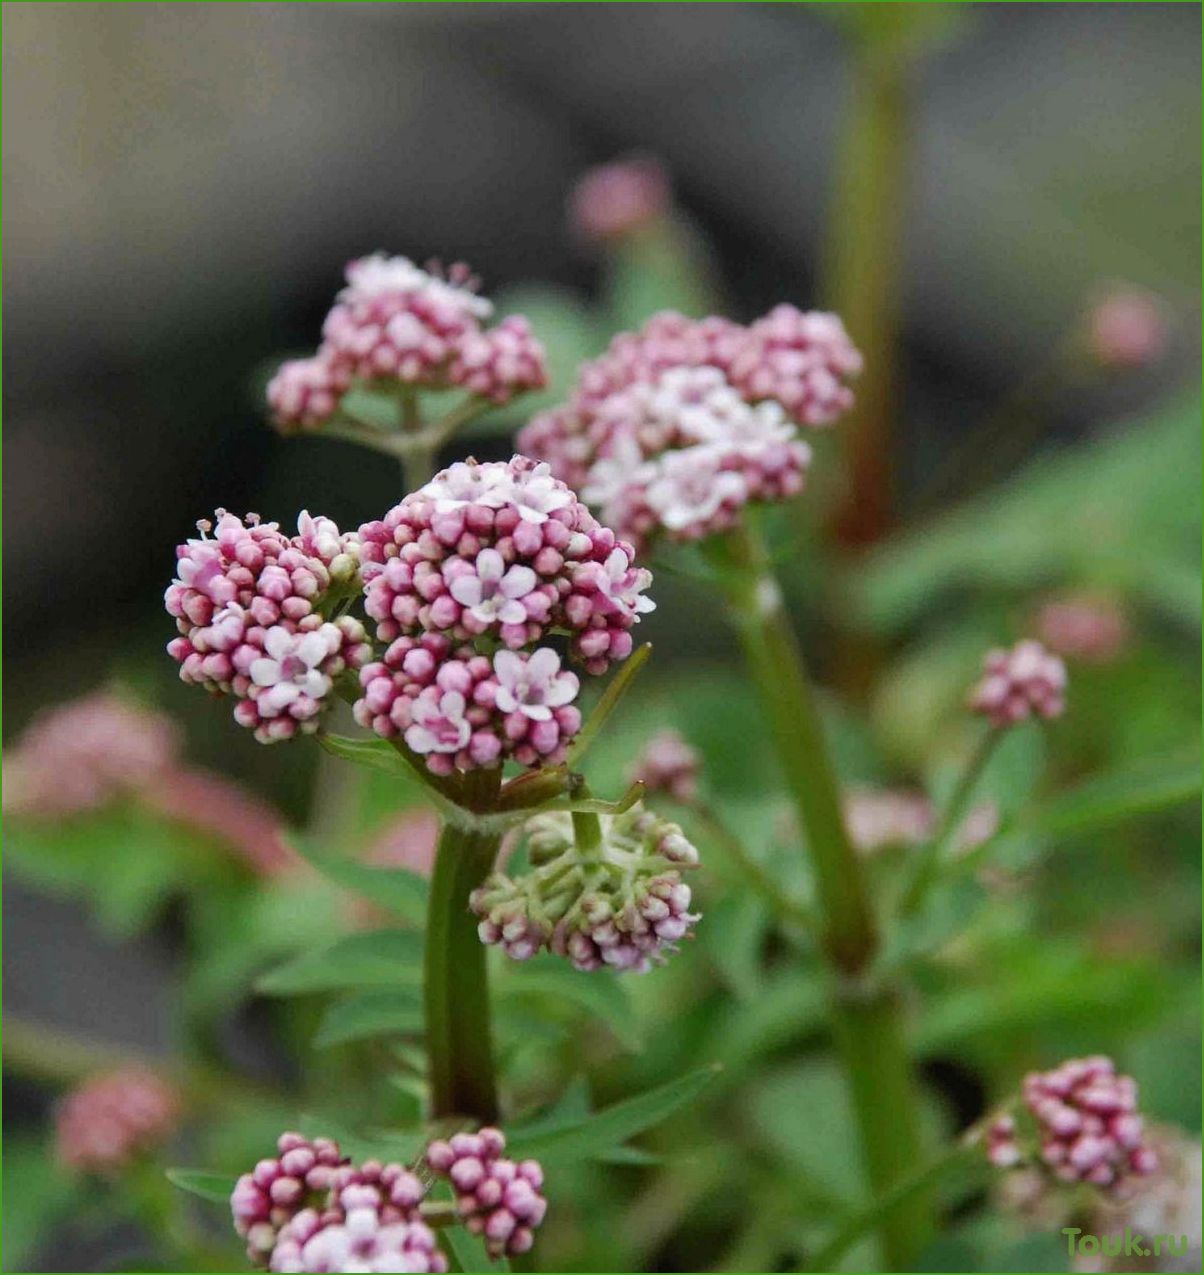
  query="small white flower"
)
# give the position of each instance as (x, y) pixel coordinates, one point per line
(536, 494)
(534, 686)
(438, 725)
(492, 594)
(381, 276)
(690, 488)
(290, 670)
(611, 475)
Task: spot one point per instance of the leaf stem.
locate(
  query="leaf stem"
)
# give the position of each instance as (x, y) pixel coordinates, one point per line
(459, 1050)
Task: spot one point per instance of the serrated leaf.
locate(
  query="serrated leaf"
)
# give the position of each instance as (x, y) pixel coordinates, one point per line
(381, 1013)
(404, 893)
(208, 1185)
(602, 995)
(383, 958)
(611, 1127)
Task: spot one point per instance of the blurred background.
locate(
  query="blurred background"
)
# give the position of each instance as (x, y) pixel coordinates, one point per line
(183, 185)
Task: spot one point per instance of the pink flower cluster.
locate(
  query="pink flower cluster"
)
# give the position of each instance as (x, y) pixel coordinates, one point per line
(247, 600)
(1082, 627)
(489, 553)
(681, 424)
(395, 322)
(668, 764)
(77, 757)
(1127, 329)
(107, 1122)
(621, 905)
(614, 200)
(1087, 1124)
(498, 1199)
(1019, 683)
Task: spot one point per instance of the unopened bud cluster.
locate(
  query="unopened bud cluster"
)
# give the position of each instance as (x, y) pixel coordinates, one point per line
(395, 324)
(681, 424)
(620, 903)
(1087, 1128)
(109, 1121)
(308, 1208)
(1025, 681)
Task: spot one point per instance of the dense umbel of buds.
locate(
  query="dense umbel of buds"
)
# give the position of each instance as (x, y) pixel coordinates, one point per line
(248, 602)
(489, 555)
(310, 1209)
(619, 903)
(1022, 682)
(110, 1120)
(667, 764)
(397, 323)
(77, 757)
(681, 424)
(497, 1198)
(1087, 1126)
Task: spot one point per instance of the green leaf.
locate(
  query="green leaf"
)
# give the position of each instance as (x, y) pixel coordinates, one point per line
(368, 751)
(381, 1013)
(37, 1194)
(611, 1127)
(602, 995)
(402, 892)
(383, 958)
(209, 1186)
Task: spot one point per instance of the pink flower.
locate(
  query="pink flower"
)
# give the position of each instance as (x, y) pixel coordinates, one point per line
(533, 687)
(305, 393)
(501, 362)
(1127, 329)
(491, 596)
(1019, 683)
(439, 724)
(1091, 629)
(102, 1126)
(288, 674)
(617, 199)
(668, 764)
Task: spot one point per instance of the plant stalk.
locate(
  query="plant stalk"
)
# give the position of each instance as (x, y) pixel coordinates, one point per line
(867, 1015)
(456, 991)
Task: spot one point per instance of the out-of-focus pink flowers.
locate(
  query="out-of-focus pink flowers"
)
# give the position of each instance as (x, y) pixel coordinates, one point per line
(498, 1199)
(1127, 329)
(878, 818)
(1087, 1126)
(109, 1121)
(668, 764)
(486, 554)
(247, 602)
(1091, 629)
(617, 199)
(679, 425)
(80, 756)
(397, 323)
(1022, 682)
(406, 842)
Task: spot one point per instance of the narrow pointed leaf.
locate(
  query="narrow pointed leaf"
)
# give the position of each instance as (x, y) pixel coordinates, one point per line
(379, 1013)
(404, 893)
(601, 995)
(383, 958)
(609, 701)
(209, 1186)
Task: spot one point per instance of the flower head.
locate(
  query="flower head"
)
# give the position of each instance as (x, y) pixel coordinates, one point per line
(617, 199)
(680, 425)
(497, 1198)
(1022, 682)
(305, 393)
(248, 602)
(1087, 1128)
(668, 764)
(108, 1121)
(1127, 328)
(622, 904)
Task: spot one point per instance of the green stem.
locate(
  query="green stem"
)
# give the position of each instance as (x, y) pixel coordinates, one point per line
(868, 1017)
(776, 665)
(932, 855)
(964, 1157)
(459, 1051)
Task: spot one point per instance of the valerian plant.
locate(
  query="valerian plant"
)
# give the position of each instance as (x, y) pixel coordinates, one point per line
(459, 631)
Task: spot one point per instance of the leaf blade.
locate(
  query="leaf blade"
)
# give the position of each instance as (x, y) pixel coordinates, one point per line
(370, 1014)
(216, 1187)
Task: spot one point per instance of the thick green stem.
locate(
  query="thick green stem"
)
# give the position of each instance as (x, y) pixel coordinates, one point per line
(867, 1015)
(459, 1049)
(776, 665)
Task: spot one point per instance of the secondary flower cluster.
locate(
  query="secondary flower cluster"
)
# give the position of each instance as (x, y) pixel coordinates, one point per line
(679, 425)
(107, 1122)
(668, 764)
(1088, 1129)
(1081, 627)
(395, 323)
(620, 903)
(498, 1198)
(308, 1208)
(247, 600)
(1019, 683)
(486, 556)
